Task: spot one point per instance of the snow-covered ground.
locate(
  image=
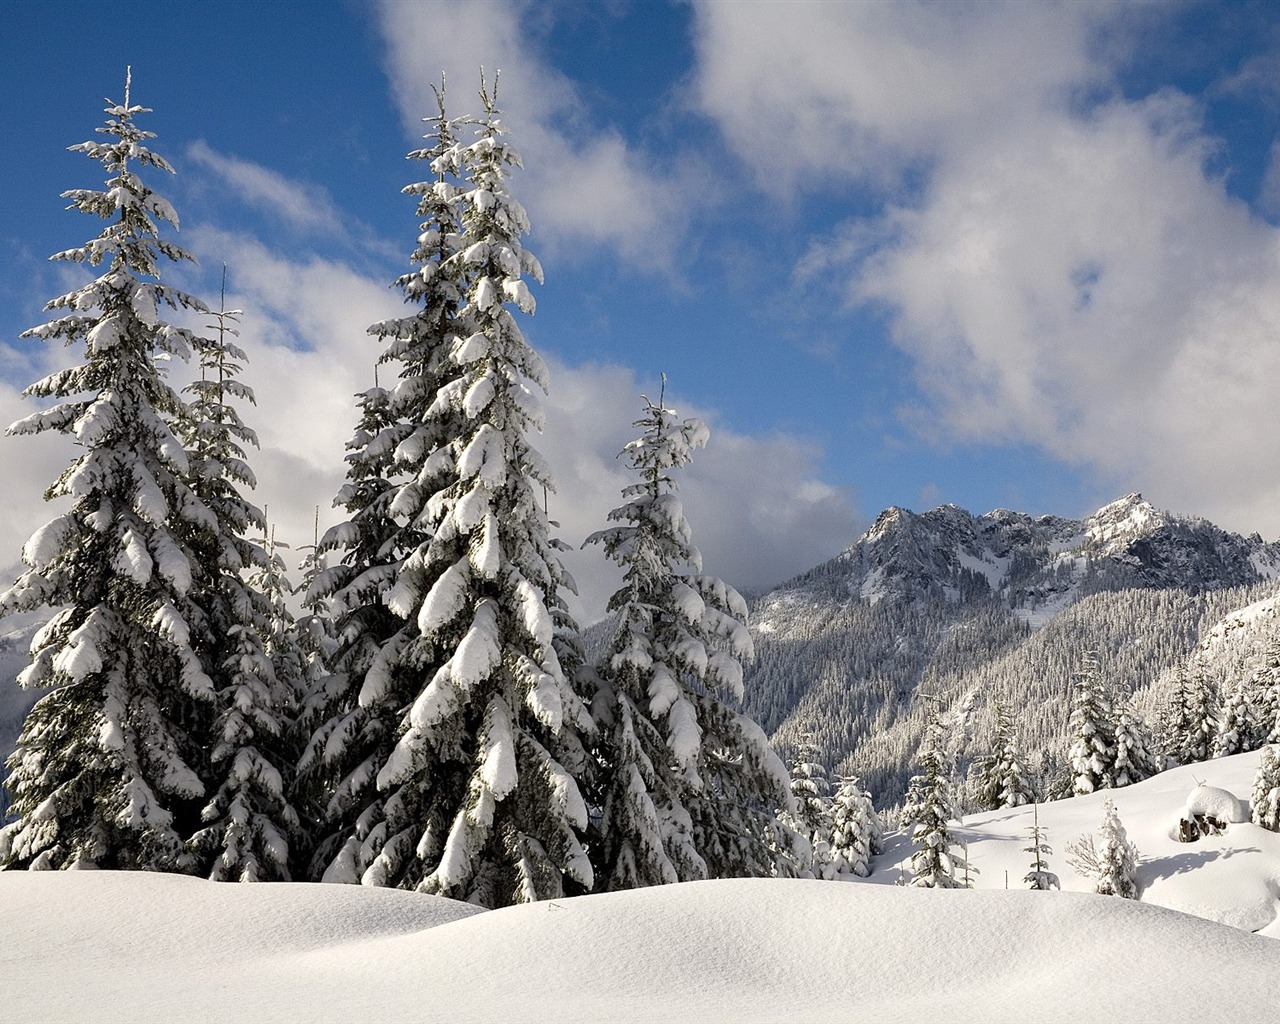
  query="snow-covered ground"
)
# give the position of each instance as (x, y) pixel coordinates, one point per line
(1233, 878)
(106, 947)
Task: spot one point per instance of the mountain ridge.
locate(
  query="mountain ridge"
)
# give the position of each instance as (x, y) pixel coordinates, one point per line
(960, 606)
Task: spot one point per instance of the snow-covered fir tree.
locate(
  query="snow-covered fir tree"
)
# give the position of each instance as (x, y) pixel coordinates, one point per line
(390, 459)
(1039, 877)
(811, 793)
(1266, 790)
(1135, 759)
(1241, 726)
(1111, 862)
(933, 864)
(687, 784)
(1266, 686)
(1189, 719)
(337, 769)
(856, 833)
(248, 822)
(1054, 780)
(106, 770)
(1002, 776)
(480, 794)
(1093, 747)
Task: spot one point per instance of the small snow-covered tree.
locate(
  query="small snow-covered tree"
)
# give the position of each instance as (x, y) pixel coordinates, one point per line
(1135, 760)
(1093, 746)
(1112, 862)
(811, 793)
(1039, 877)
(856, 833)
(687, 784)
(106, 770)
(933, 864)
(1002, 777)
(248, 822)
(1266, 790)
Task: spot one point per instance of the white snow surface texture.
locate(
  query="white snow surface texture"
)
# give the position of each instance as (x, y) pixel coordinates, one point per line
(147, 947)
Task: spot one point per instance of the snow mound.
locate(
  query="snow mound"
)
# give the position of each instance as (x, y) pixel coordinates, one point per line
(1217, 803)
(144, 947)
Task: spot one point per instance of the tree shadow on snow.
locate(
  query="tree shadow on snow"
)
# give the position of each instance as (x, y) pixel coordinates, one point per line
(1181, 863)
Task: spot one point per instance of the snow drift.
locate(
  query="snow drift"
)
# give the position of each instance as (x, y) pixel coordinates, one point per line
(107, 946)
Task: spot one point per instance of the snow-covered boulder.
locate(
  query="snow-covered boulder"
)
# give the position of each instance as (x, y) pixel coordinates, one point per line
(1212, 802)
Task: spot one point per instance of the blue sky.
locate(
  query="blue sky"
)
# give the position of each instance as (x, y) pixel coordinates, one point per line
(999, 255)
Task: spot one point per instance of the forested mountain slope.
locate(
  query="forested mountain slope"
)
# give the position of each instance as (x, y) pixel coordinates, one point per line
(967, 607)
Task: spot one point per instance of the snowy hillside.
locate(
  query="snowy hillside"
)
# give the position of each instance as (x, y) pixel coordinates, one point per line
(959, 605)
(146, 947)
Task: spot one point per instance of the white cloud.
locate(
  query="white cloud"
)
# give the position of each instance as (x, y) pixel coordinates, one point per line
(758, 509)
(1066, 273)
(306, 208)
(808, 92)
(583, 187)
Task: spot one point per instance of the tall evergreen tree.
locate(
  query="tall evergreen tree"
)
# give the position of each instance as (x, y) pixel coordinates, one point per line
(339, 763)
(1093, 748)
(688, 785)
(249, 820)
(397, 457)
(481, 795)
(933, 864)
(106, 769)
(1240, 726)
(1266, 684)
(811, 793)
(1190, 719)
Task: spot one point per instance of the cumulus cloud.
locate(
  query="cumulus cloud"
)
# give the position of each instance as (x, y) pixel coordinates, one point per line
(585, 187)
(815, 91)
(758, 507)
(1066, 271)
